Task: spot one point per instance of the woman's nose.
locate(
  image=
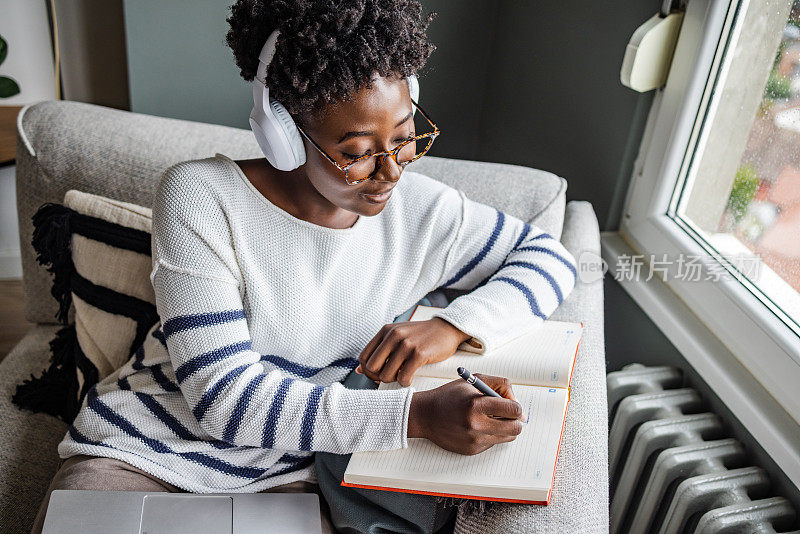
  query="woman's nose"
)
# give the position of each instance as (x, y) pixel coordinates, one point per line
(387, 169)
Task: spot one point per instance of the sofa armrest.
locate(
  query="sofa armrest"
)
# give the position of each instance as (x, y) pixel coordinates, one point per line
(579, 500)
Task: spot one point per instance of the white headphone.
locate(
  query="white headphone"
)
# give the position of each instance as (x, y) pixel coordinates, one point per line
(273, 127)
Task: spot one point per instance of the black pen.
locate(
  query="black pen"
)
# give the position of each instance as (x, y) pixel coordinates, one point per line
(480, 385)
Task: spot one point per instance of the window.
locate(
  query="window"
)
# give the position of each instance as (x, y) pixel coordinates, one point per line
(746, 209)
(714, 202)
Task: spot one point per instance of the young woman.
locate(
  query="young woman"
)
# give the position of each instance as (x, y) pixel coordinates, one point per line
(273, 286)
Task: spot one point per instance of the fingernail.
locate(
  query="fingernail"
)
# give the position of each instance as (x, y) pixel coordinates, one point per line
(359, 371)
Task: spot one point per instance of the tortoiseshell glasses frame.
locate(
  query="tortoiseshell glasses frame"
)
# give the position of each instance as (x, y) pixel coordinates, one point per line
(391, 153)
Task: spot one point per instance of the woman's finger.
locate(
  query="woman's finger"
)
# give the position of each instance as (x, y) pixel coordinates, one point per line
(503, 408)
(371, 345)
(375, 361)
(499, 384)
(406, 372)
(393, 363)
(500, 427)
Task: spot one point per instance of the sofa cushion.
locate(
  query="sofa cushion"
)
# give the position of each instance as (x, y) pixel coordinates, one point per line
(99, 251)
(64, 145)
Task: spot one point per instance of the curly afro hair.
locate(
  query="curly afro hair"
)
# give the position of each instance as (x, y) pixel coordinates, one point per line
(328, 49)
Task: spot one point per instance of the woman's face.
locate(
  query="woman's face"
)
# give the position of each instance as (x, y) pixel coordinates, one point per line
(373, 120)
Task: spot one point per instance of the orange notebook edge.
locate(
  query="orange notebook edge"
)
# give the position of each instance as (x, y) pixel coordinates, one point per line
(574, 360)
(455, 495)
(558, 449)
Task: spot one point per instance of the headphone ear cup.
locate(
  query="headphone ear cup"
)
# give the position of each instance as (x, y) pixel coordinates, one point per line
(287, 125)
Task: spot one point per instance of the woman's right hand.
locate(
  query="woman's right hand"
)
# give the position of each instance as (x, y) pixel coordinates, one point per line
(460, 419)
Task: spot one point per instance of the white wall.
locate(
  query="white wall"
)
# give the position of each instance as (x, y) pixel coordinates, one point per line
(30, 63)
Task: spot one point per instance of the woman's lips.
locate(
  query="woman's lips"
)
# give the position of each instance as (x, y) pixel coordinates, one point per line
(378, 199)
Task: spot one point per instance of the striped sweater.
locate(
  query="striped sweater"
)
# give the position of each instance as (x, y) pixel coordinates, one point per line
(262, 315)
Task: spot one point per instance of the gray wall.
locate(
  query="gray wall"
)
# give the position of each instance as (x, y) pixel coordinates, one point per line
(179, 65)
(554, 100)
(530, 83)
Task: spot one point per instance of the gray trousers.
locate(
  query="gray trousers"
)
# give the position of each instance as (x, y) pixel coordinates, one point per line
(377, 511)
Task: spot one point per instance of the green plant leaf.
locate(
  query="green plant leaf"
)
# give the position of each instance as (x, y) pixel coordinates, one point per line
(8, 87)
(745, 185)
(3, 49)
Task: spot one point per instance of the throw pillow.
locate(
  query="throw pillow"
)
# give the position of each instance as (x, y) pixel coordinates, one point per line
(98, 250)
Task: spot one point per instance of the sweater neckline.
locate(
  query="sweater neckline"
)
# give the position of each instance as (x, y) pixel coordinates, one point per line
(300, 222)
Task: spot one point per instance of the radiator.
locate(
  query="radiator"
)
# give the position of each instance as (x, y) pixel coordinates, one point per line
(672, 469)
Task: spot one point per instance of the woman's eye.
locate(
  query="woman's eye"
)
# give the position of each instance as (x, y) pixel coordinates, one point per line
(356, 156)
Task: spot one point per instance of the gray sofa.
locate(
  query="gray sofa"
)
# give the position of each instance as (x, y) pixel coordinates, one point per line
(68, 145)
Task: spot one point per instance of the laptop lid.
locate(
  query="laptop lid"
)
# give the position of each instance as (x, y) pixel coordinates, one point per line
(133, 512)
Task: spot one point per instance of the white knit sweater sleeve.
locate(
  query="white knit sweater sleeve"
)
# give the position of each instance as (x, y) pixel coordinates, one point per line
(517, 272)
(235, 394)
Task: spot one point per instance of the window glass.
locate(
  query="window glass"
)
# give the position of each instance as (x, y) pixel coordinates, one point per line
(740, 196)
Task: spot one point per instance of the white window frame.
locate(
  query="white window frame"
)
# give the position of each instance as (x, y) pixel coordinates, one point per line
(764, 345)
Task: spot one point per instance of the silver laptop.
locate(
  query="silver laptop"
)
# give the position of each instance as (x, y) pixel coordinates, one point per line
(138, 512)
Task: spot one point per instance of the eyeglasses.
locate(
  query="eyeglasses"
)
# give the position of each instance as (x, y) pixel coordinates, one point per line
(362, 168)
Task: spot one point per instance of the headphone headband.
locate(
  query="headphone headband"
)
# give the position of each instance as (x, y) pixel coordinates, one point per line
(266, 55)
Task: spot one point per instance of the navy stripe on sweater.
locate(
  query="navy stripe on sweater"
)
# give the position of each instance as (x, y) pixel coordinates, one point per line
(498, 227)
(543, 235)
(138, 358)
(158, 373)
(198, 320)
(162, 380)
(521, 239)
(229, 434)
(210, 396)
(547, 276)
(305, 371)
(557, 256)
(197, 363)
(295, 463)
(167, 418)
(159, 335)
(525, 291)
(274, 413)
(522, 235)
(294, 467)
(309, 418)
(105, 412)
(170, 421)
(158, 377)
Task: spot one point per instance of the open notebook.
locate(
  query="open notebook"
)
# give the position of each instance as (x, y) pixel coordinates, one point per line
(539, 364)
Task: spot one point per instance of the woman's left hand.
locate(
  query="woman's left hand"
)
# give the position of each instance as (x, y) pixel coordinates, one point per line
(399, 349)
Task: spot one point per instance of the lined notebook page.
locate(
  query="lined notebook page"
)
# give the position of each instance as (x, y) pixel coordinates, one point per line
(543, 356)
(521, 469)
